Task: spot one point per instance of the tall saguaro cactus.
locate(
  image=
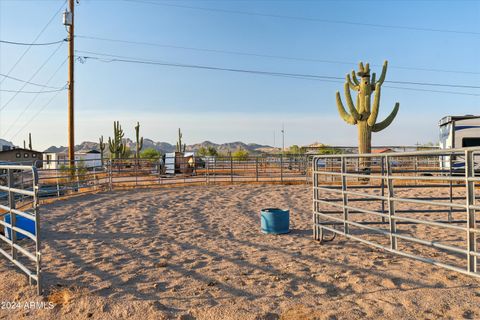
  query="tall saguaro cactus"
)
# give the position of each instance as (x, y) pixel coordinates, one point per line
(30, 141)
(102, 148)
(362, 115)
(180, 147)
(139, 144)
(116, 146)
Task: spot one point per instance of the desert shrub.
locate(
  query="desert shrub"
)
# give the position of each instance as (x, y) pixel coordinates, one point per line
(294, 150)
(150, 153)
(207, 152)
(240, 155)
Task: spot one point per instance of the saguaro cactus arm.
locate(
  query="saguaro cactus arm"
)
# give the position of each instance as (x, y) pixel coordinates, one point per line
(139, 145)
(384, 73)
(352, 85)
(111, 147)
(354, 78)
(343, 113)
(101, 144)
(372, 81)
(388, 120)
(351, 106)
(376, 104)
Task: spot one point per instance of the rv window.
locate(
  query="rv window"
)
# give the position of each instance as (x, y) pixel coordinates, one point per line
(471, 142)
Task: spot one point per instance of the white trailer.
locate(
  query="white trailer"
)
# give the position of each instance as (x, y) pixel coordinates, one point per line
(89, 159)
(459, 132)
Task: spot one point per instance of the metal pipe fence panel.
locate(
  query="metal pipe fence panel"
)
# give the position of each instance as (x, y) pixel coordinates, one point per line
(20, 221)
(420, 205)
(58, 179)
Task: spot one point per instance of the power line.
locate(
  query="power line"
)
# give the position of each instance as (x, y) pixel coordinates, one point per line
(265, 55)
(33, 76)
(32, 44)
(205, 67)
(34, 40)
(268, 73)
(35, 115)
(21, 91)
(437, 91)
(118, 58)
(28, 82)
(278, 16)
(36, 96)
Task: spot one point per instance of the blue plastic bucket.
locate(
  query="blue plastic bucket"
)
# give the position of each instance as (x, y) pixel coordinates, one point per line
(21, 223)
(274, 220)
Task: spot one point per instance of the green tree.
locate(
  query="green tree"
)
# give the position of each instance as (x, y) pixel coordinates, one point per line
(296, 150)
(329, 150)
(150, 153)
(240, 155)
(207, 152)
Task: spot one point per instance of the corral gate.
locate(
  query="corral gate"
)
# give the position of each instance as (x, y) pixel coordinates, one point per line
(405, 203)
(20, 241)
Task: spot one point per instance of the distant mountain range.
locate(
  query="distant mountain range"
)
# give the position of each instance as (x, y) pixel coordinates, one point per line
(165, 147)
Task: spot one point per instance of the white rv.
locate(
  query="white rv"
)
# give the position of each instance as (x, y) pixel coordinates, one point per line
(459, 132)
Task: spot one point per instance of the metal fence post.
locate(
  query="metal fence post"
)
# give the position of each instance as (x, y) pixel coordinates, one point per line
(206, 170)
(451, 190)
(315, 203)
(391, 205)
(135, 171)
(38, 255)
(58, 182)
(110, 173)
(415, 168)
(214, 168)
(231, 169)
(94, 179)
(78, 178)
(256, 169)
(344, 195)
(382, 171)
(471, 235)
(13, 217)
(281, 168)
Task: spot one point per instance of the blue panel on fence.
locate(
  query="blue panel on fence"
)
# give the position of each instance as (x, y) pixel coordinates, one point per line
(275, 221)
(21, 223)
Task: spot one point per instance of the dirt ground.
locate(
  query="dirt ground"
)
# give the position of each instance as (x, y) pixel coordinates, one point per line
(198, 253)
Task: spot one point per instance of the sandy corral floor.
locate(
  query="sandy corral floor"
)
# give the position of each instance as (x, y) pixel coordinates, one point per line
(197, 253)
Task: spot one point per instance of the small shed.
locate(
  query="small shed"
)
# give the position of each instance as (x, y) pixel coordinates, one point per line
(179, 162)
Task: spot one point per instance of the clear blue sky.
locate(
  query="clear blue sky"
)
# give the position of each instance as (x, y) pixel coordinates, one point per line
(222, 106)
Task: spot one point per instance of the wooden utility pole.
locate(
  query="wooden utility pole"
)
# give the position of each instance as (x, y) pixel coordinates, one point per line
(71, 61)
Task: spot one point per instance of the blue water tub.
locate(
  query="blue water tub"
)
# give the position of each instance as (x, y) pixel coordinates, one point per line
(21, 223)
(274, 220)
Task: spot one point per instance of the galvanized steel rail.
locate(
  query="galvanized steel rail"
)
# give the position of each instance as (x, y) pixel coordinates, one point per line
(371, 213)
(19, 191)
(88, 176)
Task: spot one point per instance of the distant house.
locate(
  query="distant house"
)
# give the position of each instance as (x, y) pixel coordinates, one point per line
(89, 159)
(6, 145)
(22, 156)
